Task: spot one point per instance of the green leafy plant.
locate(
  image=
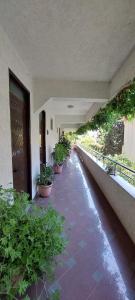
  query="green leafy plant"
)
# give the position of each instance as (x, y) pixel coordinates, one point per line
(71, 137)
(29, 242)
(59, 154)
(121, 106)
(89, 142)
(46, 175)
(66, 143)
(55, 295)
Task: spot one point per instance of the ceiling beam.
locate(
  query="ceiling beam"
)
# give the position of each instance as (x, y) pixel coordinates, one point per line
(69, 119)
(70, 126)
(93, 110)
(46, 89)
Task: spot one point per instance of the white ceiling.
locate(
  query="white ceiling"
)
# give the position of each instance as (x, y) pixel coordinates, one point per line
(80, 106)
(71, 39)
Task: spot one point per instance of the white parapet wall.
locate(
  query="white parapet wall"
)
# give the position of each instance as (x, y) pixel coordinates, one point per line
(129, 140)
(117, 191)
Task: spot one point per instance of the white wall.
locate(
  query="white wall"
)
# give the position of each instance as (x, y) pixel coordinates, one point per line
(70, 127)
(93, 110)
(129, 140)
(45, 89)
(123, 75)
(114, 189)
(9, 58)
(52, 136)
(39, 93)
(69, 119)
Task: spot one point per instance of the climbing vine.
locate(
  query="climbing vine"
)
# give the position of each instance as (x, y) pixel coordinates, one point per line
(122, 105)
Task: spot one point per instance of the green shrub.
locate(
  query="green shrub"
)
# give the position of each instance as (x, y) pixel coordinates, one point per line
(46, 175)
(122, 105)
(71, 137)
(88, 142)
(59, 154)
(124, 160)
(29, 242)
(66, 143)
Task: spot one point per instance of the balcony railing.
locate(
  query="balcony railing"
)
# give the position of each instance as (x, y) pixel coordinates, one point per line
(120, 169)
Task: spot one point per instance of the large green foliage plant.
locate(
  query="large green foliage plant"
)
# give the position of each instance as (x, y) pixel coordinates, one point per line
(29, 242)
(59, 154)
(66, 143)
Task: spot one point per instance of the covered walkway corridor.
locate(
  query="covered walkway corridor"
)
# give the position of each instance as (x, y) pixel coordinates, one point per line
(100, 259)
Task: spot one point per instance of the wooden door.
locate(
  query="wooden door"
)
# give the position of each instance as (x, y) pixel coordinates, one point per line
(20, 136)
(42, 131)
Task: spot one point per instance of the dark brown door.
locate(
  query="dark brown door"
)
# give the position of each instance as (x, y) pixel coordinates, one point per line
(20, 136)
(59, 133)
(42, 130)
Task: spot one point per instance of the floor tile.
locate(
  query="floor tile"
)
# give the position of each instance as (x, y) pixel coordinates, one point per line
(100, 260)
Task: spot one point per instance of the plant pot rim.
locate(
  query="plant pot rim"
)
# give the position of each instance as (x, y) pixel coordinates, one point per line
(61, 164)
(45, 186)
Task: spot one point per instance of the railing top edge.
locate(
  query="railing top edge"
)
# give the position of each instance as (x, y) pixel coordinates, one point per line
(114, 161)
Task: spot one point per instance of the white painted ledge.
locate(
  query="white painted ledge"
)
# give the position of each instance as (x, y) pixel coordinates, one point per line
(129, 188)
(119, 193)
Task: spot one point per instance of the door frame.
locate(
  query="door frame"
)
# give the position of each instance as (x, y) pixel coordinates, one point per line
(14, 78)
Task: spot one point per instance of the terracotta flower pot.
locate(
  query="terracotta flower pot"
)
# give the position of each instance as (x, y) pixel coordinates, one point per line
(58, 169)
(45, 190)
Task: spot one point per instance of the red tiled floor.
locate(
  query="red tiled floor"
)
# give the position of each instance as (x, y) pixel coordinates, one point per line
(100, 259)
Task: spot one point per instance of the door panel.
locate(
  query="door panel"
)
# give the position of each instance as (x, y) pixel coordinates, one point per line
(19, 108)
(42, 130)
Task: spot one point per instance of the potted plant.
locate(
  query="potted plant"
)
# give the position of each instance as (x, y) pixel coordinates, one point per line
(66, 143)
(110, 169)
(44, 181)
(59, 156)
(29, 243)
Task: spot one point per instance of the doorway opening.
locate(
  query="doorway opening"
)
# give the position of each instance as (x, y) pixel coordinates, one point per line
(42, 132)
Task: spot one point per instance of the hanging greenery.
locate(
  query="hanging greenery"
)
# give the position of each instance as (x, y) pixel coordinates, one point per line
(122, 105)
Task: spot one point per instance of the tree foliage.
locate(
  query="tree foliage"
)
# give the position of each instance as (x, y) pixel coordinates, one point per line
(114, 139)
(122, 105)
